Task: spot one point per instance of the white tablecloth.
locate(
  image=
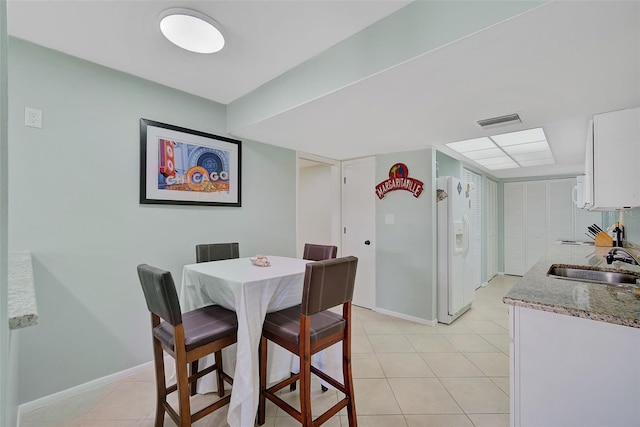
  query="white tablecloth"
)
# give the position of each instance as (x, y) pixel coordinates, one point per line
(251, 292)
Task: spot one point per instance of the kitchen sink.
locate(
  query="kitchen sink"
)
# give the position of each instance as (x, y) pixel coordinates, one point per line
(585, 273)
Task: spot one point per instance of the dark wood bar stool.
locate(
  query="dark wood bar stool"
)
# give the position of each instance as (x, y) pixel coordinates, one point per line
(185, 337)
(315, 252)
(207, 252)
(319, 252)
(217, 251)
(309, 328)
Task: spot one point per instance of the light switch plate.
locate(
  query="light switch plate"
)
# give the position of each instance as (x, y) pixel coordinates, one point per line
(32, 117)
(389, 219)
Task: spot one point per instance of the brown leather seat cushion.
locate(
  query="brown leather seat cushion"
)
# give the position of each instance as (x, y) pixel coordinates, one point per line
(286, 324)
(201, 326)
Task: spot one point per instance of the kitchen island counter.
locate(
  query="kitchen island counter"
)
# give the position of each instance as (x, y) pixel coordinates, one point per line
(574, 346)
(596, 301)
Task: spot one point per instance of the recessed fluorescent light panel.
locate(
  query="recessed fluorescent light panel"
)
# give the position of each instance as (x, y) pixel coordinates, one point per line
(191, 30)
(508, 150)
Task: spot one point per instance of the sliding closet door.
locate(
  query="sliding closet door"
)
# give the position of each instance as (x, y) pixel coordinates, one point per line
(476, 224)
(561, 210)
(492, 228)
(514, 229)
(536, 221)
(536, 214)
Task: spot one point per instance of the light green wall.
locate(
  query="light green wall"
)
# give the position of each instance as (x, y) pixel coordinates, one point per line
(631, 221)
(74, 189)
(8, 385)
(405, 251)
(74, 203)
(448, 166)
(420, 27)
(631, 225)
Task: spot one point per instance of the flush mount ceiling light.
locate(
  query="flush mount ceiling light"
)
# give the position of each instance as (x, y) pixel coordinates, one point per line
(191, 30)
(507, 150)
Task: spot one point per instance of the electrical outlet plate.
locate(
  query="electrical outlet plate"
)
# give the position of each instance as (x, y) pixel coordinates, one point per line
(32, 117)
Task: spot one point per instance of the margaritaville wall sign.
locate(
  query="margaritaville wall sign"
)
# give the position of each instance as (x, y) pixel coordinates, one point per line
(399, 180)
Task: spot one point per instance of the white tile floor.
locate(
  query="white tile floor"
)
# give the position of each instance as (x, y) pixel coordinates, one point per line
(405, 374)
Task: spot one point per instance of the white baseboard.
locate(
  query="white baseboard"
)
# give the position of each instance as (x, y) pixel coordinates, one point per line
(407, 317)
(82, 388)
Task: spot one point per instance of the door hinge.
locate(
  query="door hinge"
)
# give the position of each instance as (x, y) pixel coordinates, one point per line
(345, 230)
(345, 179)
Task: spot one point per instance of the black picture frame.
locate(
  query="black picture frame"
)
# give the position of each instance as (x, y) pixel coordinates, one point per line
(180, 166)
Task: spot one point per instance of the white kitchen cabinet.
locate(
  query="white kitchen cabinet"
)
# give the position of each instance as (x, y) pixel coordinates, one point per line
(568, 371)
(613, 154)
(536, 214)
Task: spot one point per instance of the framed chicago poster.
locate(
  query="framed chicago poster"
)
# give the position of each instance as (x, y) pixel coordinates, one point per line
(181, 166)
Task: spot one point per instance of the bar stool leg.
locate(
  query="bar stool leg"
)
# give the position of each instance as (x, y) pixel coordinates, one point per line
(262, 366)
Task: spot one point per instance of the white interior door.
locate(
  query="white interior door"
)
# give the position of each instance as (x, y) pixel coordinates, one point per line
(359, 225)
(492, 228)
(514, 234)
(318, 202)
(536, 221)
(561, 210)
(536, 214)
(476, 225)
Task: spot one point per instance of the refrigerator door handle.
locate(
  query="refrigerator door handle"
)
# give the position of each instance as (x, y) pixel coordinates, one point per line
(465, 221)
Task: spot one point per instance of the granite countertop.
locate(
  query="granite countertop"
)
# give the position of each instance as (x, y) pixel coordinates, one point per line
(606, 303)
(22, 307)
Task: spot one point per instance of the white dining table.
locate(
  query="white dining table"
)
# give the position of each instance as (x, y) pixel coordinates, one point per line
(251, 291)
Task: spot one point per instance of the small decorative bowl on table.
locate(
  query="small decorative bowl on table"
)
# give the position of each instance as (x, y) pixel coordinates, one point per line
(260, 261)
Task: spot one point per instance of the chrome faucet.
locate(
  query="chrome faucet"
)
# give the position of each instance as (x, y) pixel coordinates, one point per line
(628, 257)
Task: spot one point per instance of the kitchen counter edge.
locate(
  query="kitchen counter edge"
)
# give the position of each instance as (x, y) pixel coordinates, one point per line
(595, 301)
(21, 303)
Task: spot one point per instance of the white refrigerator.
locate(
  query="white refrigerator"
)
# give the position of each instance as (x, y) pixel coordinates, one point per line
(455, 289)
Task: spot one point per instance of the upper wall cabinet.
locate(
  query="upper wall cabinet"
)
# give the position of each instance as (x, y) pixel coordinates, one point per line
(612, 171)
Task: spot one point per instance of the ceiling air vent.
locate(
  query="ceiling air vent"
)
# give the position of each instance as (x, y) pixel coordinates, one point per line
(509, 119)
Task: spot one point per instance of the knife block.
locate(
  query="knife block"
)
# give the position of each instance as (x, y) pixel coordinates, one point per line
(603, 239)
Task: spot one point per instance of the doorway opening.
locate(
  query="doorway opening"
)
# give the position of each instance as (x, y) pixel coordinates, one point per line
(317, 202)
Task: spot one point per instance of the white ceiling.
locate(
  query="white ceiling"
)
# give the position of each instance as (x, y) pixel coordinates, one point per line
(556, 66)
(263, 38)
